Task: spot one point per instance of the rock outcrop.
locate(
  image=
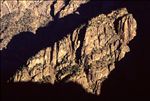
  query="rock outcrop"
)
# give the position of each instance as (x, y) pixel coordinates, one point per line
(86, 56)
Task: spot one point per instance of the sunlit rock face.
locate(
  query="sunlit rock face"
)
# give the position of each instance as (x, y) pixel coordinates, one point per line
(86, 56)
(28, 15)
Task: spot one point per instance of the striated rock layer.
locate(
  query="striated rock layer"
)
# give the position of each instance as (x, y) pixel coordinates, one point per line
(86, 56)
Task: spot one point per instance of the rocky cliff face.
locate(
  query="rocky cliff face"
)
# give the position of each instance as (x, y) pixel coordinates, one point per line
(18, 16)
(85, 56)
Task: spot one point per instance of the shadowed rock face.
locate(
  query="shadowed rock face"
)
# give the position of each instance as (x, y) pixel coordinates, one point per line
(86, 55)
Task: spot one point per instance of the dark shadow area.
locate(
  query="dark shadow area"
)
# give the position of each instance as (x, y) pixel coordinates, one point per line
(129, 79)
(27, 91)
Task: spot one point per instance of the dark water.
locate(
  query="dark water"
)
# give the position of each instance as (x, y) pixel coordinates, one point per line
(129, 81)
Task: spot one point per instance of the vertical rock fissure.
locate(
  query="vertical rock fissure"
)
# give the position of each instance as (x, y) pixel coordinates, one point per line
(51, 52)
(116, 22)
(52, 12)
(81, 39)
